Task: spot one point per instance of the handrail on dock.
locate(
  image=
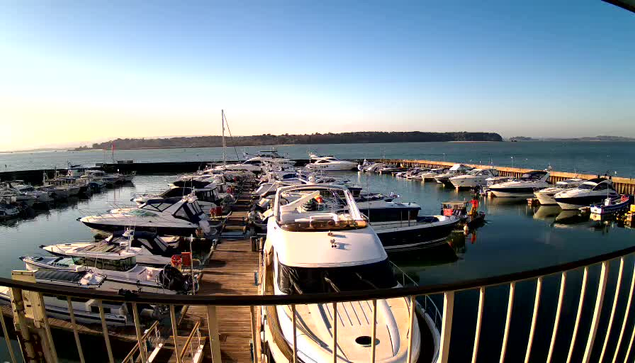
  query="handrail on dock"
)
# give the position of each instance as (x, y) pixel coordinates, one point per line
(410, 292)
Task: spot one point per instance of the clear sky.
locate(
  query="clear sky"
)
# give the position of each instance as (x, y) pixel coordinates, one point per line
(82, 71)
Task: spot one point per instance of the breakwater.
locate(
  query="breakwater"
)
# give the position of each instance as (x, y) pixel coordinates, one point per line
(622, 185)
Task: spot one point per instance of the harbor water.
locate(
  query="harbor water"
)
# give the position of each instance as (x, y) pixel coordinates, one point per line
(581, 157)
(515, 238)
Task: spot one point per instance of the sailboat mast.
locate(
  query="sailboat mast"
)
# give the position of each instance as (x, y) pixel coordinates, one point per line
(222, 113)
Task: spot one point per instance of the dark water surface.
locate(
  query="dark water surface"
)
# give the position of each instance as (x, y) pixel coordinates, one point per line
(515, 238)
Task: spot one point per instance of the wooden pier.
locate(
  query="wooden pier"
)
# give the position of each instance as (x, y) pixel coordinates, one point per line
(622, 185)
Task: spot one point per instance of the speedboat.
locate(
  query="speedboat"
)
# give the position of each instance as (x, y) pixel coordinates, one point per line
(148, 248)
(523, 187)
(182, 217)
(207, 198)
(546, 196)
(590, 192)
(473, 179)
(432, 173)
(122, 272)
(86, 311)
(331, 163)
(319, 242)
(455, 170)
(8, 211)
(424, 231)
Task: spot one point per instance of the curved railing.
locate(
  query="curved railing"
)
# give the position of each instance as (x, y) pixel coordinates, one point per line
(412, 292)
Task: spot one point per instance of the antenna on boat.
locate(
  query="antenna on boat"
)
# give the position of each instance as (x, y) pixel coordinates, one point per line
(222, 113)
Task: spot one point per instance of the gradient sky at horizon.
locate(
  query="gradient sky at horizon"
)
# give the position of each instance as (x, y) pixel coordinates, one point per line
(75, 72)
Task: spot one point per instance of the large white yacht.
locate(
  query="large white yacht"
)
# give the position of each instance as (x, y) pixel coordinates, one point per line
(523, 187)
(165, 216)
(330, 163)
(319, 242)
(474, 178)
(590, 192)
(546, 196)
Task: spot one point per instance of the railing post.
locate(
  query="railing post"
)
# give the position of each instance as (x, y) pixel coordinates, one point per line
(5, 331)
(413, 312)
(71, 311)
(446, 326)
(618, 285)
(23, 329)
(508, 320)
(626, 314)
(254, 333)
(479, 321)
(137, 326)
(104, 328)
(334, 332)
(534, 318)
(374, 333)
(214, 340)
(604, 275)
(175, 333)
(295, 333)
(585, 277)
(556, 323)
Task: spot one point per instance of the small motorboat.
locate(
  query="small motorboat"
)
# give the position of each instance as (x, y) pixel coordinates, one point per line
(431, 174)
(458, 209)
(8, 211)
(613, 205)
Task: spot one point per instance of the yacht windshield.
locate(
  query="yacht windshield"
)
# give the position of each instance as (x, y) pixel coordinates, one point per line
(316, 210)
(586, 186)
(310, 280)
(124, 264)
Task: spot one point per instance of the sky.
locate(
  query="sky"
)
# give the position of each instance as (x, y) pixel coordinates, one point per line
(76, 72)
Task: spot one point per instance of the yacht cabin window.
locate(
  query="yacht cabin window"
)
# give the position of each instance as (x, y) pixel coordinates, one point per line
(315, 280)
(124, 264)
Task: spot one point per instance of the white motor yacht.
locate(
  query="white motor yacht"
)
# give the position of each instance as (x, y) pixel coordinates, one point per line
(523, 187)
(319, 242)
(148, 248)
(86, 311)
(121, 270)
(432, 173)
(207, 198)
(455, 170)
(590, 192)
(474, 178)
(546, 196)
(165, 216)
(331, 163)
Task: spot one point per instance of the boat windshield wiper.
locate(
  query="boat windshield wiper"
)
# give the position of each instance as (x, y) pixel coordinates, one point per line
(366, 281)
(337, 289)
(297, 288)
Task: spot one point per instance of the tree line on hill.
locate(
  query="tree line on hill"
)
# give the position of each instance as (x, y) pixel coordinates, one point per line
(316, 138)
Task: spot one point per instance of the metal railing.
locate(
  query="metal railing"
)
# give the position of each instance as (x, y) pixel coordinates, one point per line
(590, 339)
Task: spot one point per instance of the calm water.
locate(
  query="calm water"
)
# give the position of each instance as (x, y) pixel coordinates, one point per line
(515, 238)
(582, 157)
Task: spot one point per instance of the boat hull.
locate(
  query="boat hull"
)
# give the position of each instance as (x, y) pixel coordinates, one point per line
(512, 192)
(416, 236)
(172, 231)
